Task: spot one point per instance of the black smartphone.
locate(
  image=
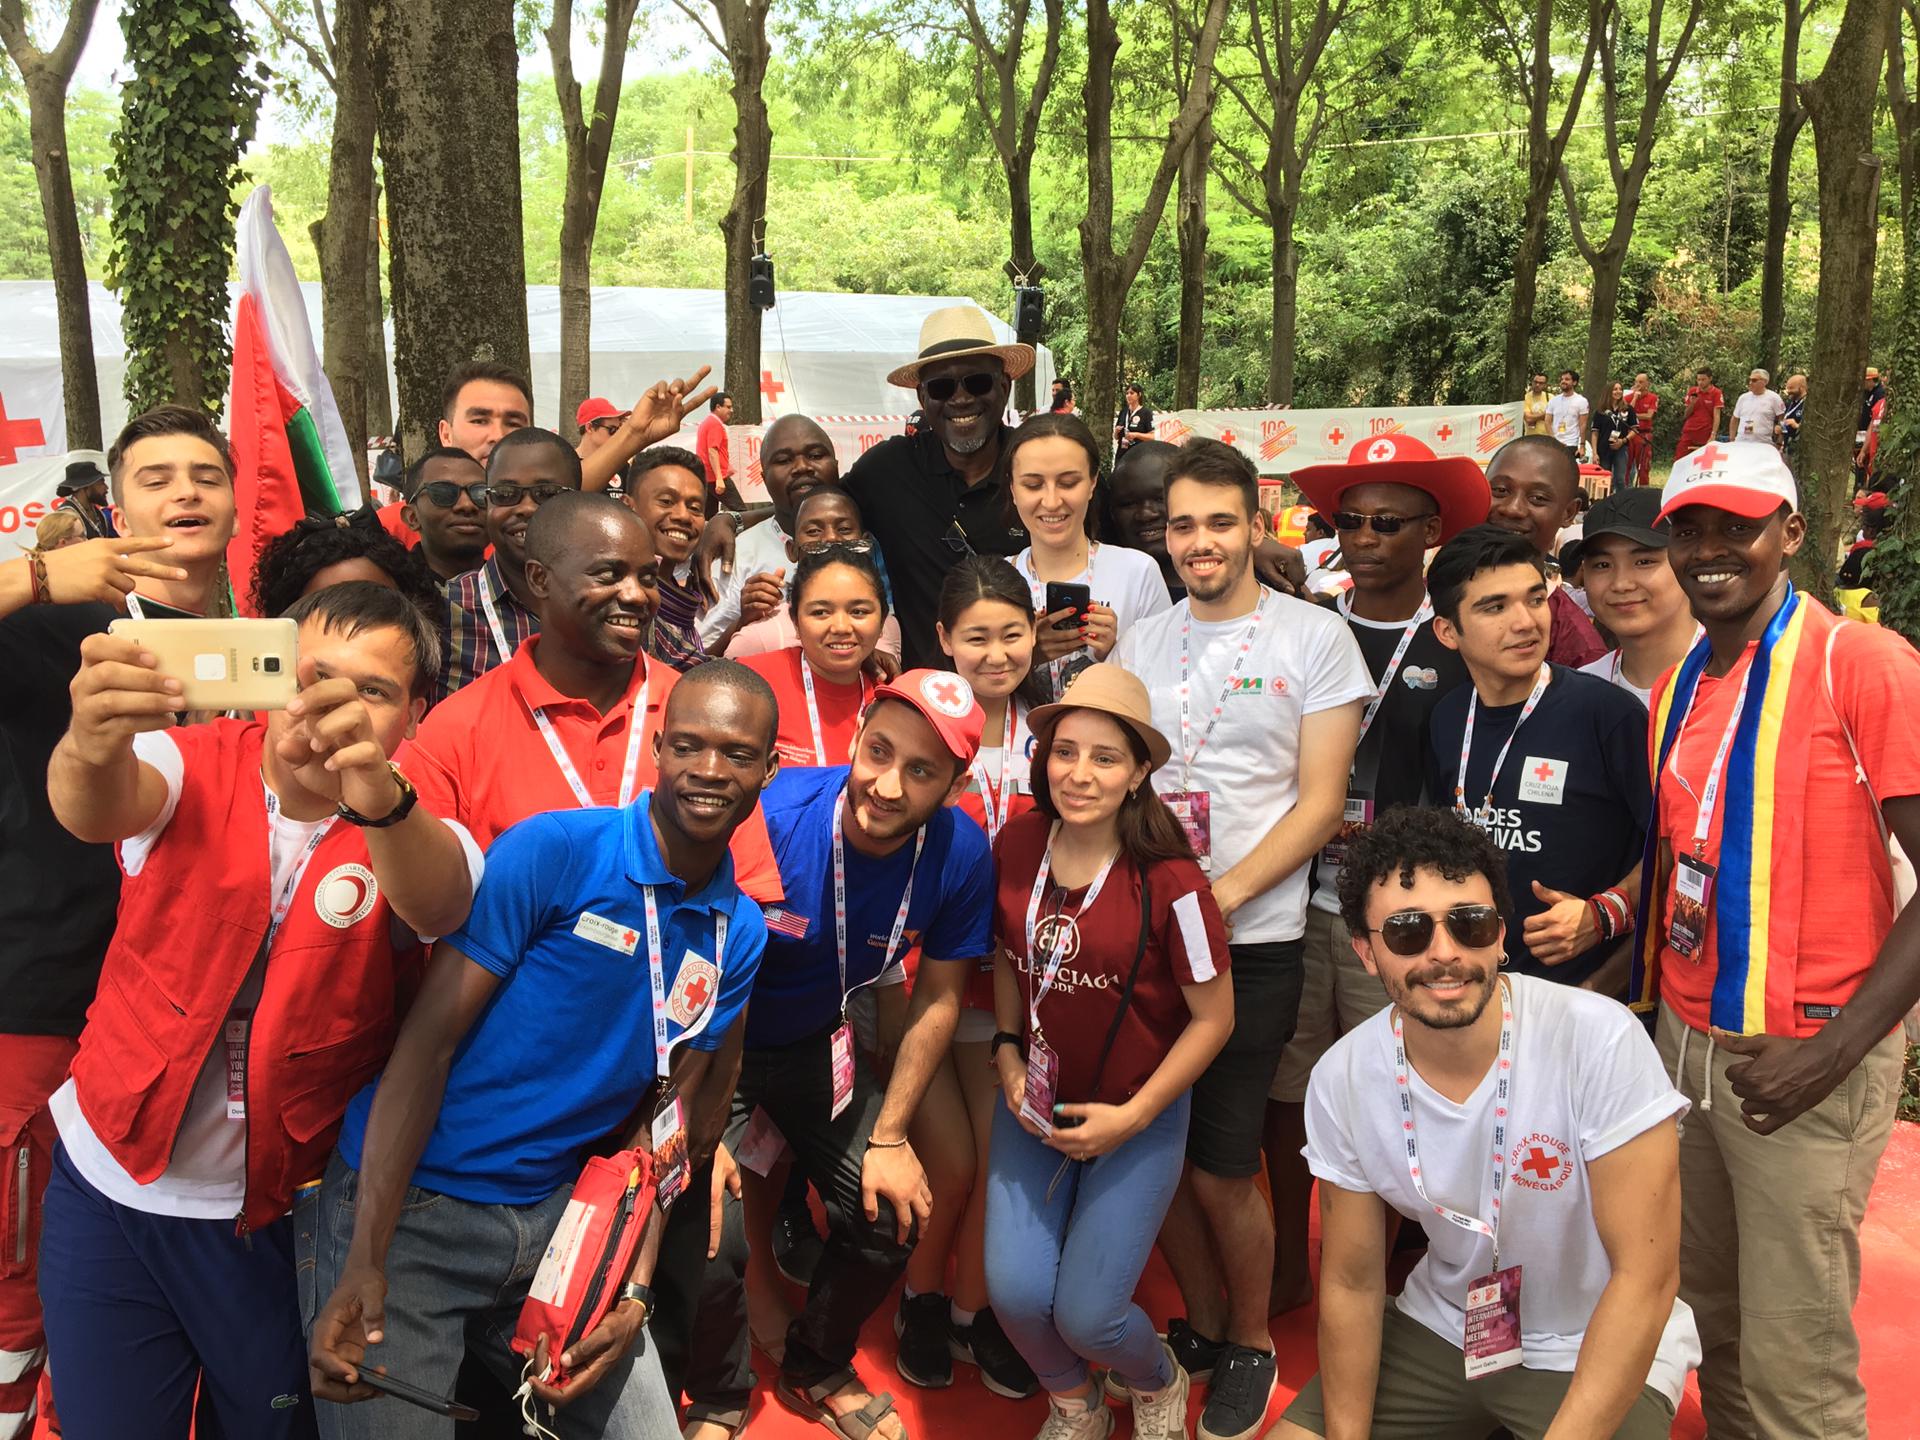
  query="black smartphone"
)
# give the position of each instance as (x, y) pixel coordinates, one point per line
(1064, 596)
(1067, 1122)
(414, 1395)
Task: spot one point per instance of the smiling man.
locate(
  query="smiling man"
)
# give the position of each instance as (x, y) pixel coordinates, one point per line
(447, 508)
(666, 489)
(1534, 484)
(1633, 591)
(483, 403)
(1779, 1011)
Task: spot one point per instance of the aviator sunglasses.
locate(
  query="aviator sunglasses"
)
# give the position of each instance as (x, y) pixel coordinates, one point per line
(1410, 932)
(1382, 524)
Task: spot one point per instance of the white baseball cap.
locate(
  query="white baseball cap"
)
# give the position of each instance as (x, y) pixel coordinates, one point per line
(1747, 477)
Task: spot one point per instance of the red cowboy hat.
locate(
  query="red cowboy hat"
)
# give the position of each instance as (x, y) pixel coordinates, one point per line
(1457, 484)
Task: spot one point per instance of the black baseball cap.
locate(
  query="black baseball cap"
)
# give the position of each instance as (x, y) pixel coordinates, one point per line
(1633, 512)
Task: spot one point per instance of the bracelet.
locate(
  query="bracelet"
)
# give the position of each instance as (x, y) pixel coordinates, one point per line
(1628, 918)
(37, 573)
(873, 1144)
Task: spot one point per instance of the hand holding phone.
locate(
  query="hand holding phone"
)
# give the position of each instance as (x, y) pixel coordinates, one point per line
(221, 664)
(119, 692)
(414, 1395)
(1063, 595)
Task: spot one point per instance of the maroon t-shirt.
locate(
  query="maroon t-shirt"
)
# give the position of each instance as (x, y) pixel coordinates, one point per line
(1186, 945)
(1572, 641)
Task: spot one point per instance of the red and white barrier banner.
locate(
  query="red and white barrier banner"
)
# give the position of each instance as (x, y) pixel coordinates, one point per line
(1278, 441)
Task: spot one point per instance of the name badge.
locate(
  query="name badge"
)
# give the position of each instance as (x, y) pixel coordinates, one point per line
(610, 933)
(1194, 810)
(842, 1062)
(1354, 818)
(1043, 1076)
(1692, 892)
(235, 1032)
(669, 1149)
(1542, 780)
(1493, 1323)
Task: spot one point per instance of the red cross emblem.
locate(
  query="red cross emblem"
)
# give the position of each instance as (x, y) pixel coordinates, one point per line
(698, 991)
(1227, 437)
(1543, 771)
(1710, 456)
(1379, 451)
(629, 939)
(1540, 1164)
(1445, 433)
(1336, 436)
(770, 387)
(946, 690)
(17, 433)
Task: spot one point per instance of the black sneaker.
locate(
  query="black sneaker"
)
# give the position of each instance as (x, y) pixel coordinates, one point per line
(985, 1344)
(797, 1246)
(923, 1358)
(1196, 1354)
(1243, 1382)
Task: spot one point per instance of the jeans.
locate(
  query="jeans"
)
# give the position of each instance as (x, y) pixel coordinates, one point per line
(457, 1275)
(1620, 462)
(1065, 1250)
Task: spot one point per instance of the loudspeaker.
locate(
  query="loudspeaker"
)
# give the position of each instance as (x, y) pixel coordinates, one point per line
(760, 282)
(1029, 311)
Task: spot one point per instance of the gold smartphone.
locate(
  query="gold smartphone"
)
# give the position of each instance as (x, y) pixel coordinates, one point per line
(223, 664)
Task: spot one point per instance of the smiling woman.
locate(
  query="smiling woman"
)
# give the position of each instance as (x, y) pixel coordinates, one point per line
(838, 608)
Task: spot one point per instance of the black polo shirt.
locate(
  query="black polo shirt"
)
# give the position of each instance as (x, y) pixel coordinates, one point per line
(910, 499)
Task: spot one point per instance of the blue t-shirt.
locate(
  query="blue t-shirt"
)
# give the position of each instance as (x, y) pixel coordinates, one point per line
(951, 917)
(563, 1052)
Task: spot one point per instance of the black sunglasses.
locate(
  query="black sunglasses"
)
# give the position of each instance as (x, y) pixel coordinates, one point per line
(446, 493)
(980, 382)
(1382, 524)
(836, 547)
(955, 538)
(505, 497)
(1410, 932)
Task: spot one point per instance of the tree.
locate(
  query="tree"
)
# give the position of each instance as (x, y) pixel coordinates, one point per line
(1840, 105)
(1109, 273)
(1190, 225)
(589, 139)
(46, 75)
(1786, 133)
(742, 42)
(1627, 176)
(186, 118)
(445, 76)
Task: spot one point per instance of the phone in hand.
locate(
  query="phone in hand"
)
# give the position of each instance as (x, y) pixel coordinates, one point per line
(1062, 595)
(235, 664)
(414, 1395)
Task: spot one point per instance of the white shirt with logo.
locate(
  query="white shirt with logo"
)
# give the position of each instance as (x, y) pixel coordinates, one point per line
(1565, 412)
(1586, 1080)
(1755, 416)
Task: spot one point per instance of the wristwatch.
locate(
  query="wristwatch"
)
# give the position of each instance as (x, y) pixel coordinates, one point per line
(408, 797)
(1006, 1037)
(641, 1295)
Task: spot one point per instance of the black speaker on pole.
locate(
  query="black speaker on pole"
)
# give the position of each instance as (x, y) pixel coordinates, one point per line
(760, 282)
(1029, 311)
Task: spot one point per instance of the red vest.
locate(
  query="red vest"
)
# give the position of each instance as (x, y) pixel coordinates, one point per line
(335, 986)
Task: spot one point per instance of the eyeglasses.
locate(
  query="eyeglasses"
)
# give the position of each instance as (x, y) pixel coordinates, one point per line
(836, 547)
(505, 497)
(607, 424)
(955, 538)
(1382, 524)
(446, 493)
(980, 382)
(1411, 931)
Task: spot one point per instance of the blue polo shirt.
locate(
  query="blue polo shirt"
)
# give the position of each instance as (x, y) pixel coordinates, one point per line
(563, 1052)
(797, 993)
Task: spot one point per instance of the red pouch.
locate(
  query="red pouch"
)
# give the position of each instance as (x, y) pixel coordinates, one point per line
(588, 1258)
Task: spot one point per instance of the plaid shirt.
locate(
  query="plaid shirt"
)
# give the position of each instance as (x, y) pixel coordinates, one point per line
(471, 648)
(675, 637)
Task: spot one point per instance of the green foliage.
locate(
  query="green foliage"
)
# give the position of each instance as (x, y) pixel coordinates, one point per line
(187, 114)
(91, 117)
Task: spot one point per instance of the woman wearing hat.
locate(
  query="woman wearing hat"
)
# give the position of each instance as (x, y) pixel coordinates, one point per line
(1111, 997)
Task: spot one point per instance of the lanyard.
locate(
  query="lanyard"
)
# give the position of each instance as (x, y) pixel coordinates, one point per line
(813, 710)
(840, 901)
(1057, 951)
(1421, 616)
(1190, 752)
(636, 722)
(1466, 745)
(485, 587)
(284, 902)
(1709, 797)
(996, 795)
(657, 975)
(133, 606)
(1038, 588)
(1502, 1086)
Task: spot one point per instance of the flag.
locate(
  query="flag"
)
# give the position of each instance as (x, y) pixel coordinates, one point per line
(290, 451)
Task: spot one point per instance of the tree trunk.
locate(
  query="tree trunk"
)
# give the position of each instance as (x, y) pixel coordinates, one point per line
(744, 26)
(1191, 222)
(379, 395)
(1840, 104)
(446, 74)
(1786, 133)
(1284, 256)
(1106, 299)
(340, 236)
(1606, 268)
(47, 125)
(1020, 225)
(1518, 364)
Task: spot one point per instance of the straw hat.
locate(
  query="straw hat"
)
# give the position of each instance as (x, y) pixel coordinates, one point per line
(1112, 691)
(957, 330)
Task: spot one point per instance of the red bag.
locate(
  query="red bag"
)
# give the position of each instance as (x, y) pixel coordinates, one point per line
(588, 1258)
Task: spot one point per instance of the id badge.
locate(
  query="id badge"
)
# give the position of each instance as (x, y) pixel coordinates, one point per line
(1043, 1074)
(1692, 893)
(762, 1145)
(669, 1149)
(1356, 817)
(1193, 809)
(235, 1034)
(842, 1069)
(1493, 1323)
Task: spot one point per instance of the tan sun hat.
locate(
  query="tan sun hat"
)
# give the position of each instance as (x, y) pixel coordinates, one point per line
(957, 330)
(1112, 691)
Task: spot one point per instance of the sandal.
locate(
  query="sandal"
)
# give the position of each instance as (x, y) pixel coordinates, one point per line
(811, 1404)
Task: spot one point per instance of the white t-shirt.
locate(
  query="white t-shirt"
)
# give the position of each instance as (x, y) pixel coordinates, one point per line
(760, 548)
(1754, 416)
(206, 1176)
(1127, 582)
(1564, 413)
(1607, 667)
(1586, 1080)
(1304, 659)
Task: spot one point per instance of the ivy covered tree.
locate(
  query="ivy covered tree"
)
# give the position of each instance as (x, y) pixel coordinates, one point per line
(187, 115)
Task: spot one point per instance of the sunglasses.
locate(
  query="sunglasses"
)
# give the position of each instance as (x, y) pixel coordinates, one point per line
(1411, 931)
(446, 493)
(980, 382)
(1382, 524)
(836, 547)
(607, 424)
(505, 497)
(955, 538)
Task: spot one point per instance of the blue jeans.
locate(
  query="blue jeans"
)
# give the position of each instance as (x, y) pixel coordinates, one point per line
(1063, 1258)
(457, 1275)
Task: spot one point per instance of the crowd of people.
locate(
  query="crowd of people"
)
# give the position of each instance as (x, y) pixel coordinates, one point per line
(1005, 860)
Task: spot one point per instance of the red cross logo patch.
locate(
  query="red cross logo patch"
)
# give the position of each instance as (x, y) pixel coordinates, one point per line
(1380, 451)
(1541, 1162)
(948, 694)
(694, 989)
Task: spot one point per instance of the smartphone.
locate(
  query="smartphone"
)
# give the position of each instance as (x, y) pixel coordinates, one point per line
(414, 1395)
(1063, 596)
(1067, 1122)
(223, 664)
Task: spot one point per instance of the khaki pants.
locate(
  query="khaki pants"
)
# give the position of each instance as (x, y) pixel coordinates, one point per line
(1770, 1243)
(1336, 994)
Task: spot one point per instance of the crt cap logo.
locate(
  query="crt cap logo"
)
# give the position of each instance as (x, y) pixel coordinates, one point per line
(948, 694)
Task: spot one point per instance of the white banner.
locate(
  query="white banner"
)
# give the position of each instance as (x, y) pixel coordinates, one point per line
(33, 450)
(1278, 441)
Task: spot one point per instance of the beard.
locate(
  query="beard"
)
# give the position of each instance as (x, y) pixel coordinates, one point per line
(965, 444)
(1413, 998)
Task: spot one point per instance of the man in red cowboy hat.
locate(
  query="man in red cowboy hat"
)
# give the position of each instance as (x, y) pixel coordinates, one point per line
(1391, 502)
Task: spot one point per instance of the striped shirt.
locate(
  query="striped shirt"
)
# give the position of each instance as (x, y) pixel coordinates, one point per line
(675, 639)
(471, 648)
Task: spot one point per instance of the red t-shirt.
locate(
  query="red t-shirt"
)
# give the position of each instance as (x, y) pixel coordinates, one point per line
(840, 709)
(1697, 424)
(1187, 945)
(711, 436)
(1644, 406)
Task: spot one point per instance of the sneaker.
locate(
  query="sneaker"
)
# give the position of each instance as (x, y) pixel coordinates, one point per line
(797, 1246)
(1163, 1416)
(1243, 1382)
(1192, 1352)
(1089, 1421)
(923, 1358)
(985, 1345)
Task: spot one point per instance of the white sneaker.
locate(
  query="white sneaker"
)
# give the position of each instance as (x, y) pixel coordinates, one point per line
(1163, 1416)
(1091, 1421)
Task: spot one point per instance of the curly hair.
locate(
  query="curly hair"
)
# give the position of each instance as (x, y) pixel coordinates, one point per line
(1406, 839)
(292, 559)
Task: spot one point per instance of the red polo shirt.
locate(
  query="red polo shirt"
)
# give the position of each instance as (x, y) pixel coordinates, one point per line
(479, 756)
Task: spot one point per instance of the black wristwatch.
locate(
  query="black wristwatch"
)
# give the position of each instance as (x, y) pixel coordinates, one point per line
(641, 1295)
(1006, 1037)
(408, 797)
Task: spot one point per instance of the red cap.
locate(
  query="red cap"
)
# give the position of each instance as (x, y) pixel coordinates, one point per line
(947, 702)
(1876, 501)
(595, 409)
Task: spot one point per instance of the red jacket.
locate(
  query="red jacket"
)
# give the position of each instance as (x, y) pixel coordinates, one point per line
(190, 924)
